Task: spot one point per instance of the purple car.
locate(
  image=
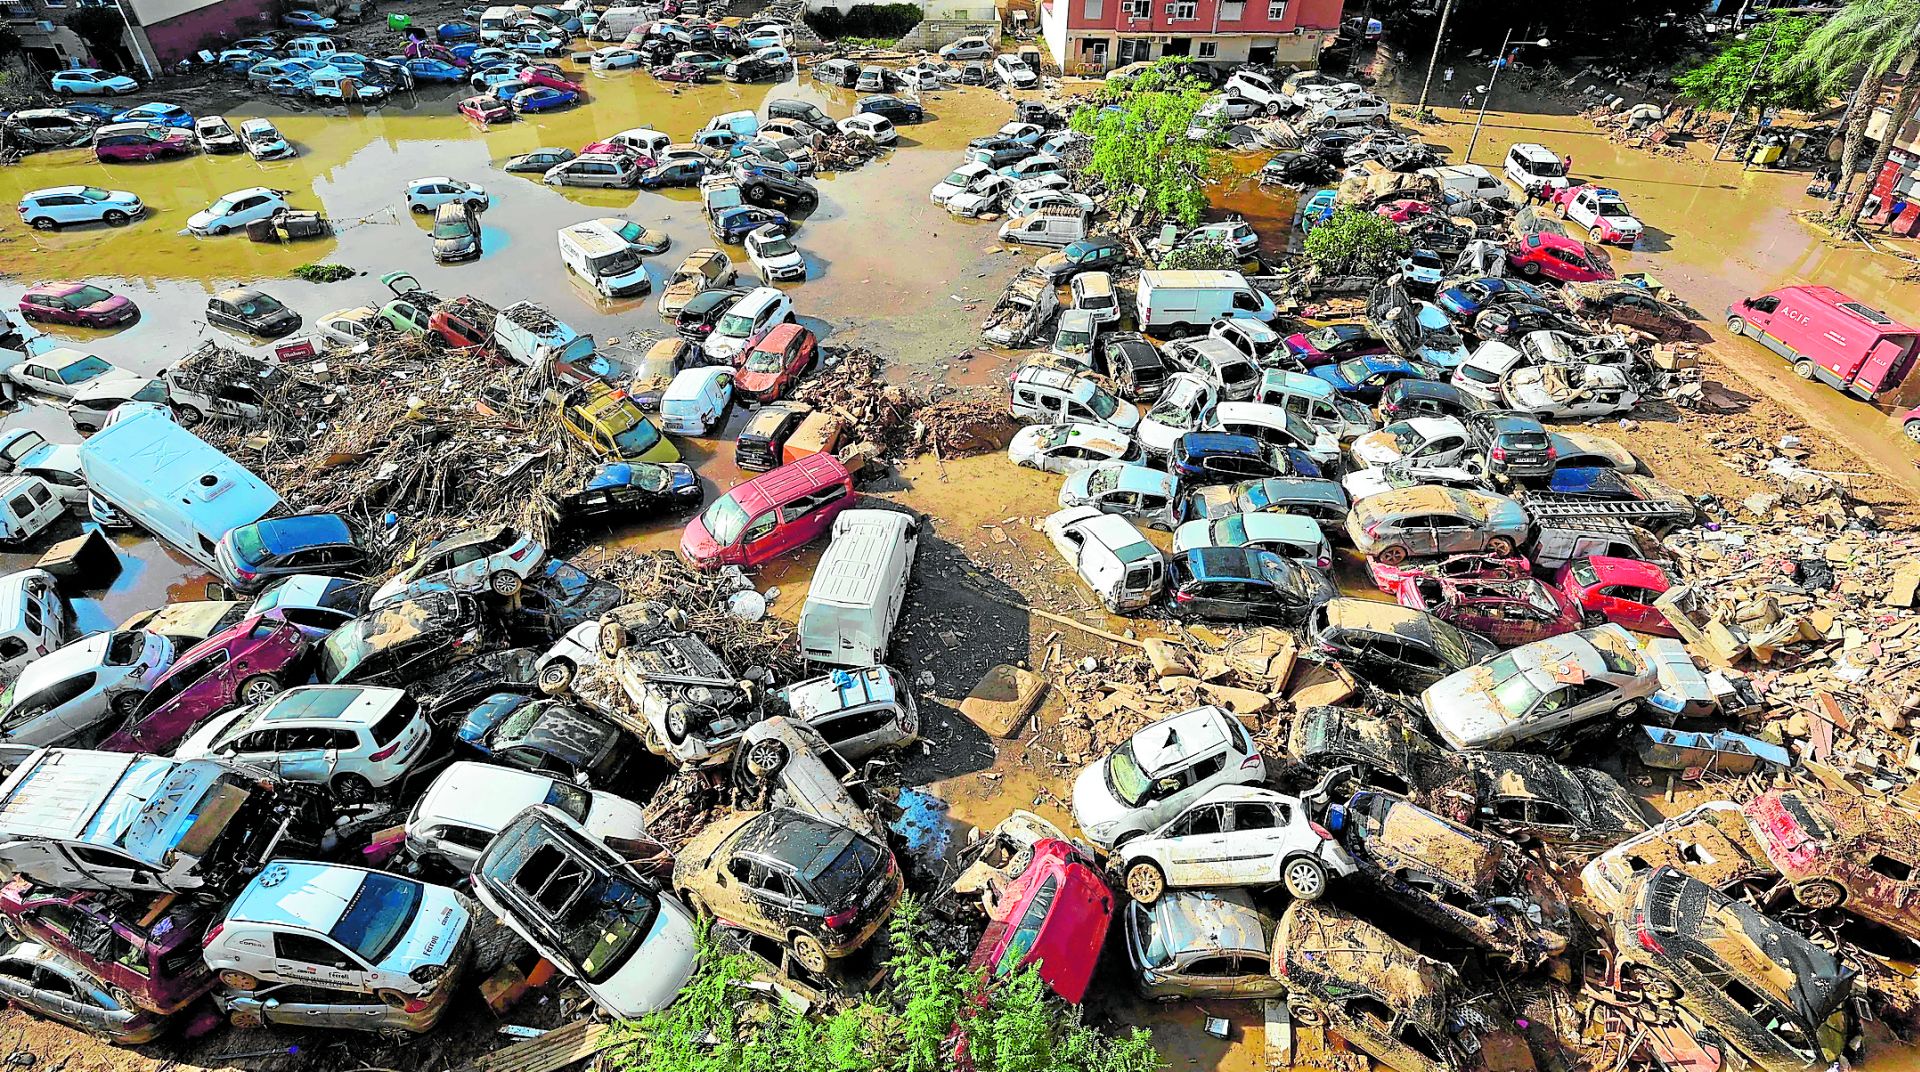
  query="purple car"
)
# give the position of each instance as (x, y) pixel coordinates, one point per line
(248, 663)
(156, 963)
(77, 303)
(679, 72)
(119, 143)
(1333, 344)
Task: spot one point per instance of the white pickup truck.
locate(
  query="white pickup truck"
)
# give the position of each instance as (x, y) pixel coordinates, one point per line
(1603, 212)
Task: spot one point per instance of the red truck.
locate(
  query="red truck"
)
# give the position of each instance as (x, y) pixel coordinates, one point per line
(1843, 343)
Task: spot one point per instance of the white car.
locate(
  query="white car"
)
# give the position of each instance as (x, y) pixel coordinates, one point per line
(1417, 442)
(74, 693)
(216, 135)
(468, 803)
(920, 78)
(1294, 536)
(967, 48)
(495, 559)
(877, 129)
(1424, 267)
(744, 322)
(1135, 491)
(27, 453)
(1570, 391)
(1185, 405)
(1069, 448)
(352, 330)
(92, 80)
(1236, 835)
(353, 739)
(980, 198)
(264, 140)
(1156, 773)
(961, 178)
(616, 58)
(1014, 72)
(774, 255)
(1237, 235)
(1543, 691)
(57, 206)
(66, 373)
(340, 928)
(1027, 202)
(1604, 214)
(239, 208)
(428, 194)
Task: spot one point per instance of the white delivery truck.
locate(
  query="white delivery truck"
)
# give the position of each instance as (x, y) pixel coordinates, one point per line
(857, 590)
(172, 483)
(603, 260)
(1187, 302)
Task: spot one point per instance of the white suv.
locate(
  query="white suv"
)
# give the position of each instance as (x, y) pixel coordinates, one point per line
(58, 206)
(468, 803)
(342, 928)
(428, 194)
(239, 208)
(1236, 835)
(75, 693)
(1160, 770)
(354, 739)
(497, 559)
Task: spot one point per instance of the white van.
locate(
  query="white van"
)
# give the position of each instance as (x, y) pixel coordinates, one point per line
(314, 47)
(1530, 164)
(1189, 301)
(496, 21)
(173, 484)
(616, 22)
(1093, 294)
(608, 264)
(1054, 225)
(34, 617)
(27, 506)
(1469, 181)
(857, 590)
(1050, 394)
(696, 398)
(646, 141)
(1110, 555)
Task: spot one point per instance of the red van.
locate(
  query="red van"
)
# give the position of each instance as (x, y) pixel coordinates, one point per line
(1055, 913)
(1847, 345)
(771, 514)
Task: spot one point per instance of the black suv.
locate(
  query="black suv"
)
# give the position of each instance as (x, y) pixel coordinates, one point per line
(1133, 363)
(1515, 443)
(765, 185)
(703, 311)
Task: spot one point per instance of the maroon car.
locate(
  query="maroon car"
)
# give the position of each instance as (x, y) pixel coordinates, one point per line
(154, 964)
(1512, 612)
(118, 143)
(679, 72)
(249, 663)
(77, 303)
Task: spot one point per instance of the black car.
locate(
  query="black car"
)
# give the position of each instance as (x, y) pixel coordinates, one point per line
(546, 737)
(1394, 646)
(559, 597)
(1514, 321)
(674, 173)
(1037, 113)
(401, 641)
(469, 681)
(764, 439)
(767, 185)
(1244, 584)
(842, 73)
(892, 108)
(704, 310)
(1295, 167)
(252, 311)
(1372, 752)
(624, 491)
(1425, 398)
(1133, 363)
(1330, 145)
(1515, 443)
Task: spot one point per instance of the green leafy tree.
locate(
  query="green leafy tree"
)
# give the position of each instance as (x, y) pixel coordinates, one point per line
(1140, 147)
(1355, 242)
(1202, 256)
(1866, 40)
(12, 49)
(1764, 54)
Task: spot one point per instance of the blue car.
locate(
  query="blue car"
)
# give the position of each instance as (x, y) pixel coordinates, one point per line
(543, 99)
(1365, 378)
(251, 556)
(348, 63)
(1200, 458)
(428, 69)
(448, 32)
(464, 51)
(734, 224)
(308, 20)
(1467, 299)
(166, 115)
(1317, 209)
(93, 109)
(487, 57)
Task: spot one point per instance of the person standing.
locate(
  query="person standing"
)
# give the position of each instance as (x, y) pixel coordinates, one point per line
(1446, 79)
(1566, 164)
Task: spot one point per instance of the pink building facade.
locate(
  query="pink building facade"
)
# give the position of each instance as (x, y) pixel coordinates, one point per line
(1092, 36)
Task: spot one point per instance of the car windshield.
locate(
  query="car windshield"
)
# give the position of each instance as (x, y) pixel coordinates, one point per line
(87, 367)
(1125, 778)
(260, 305)
(778, 246)
(1584, 574)
(648, 477)
(378, 916)
(639, 438)
(1441, 338)
(1101, 481)
(735, 325)
(248, 547)
(1073, 340)
(1404, 437)
(1511, 689)
(1355, 370)
(94, 193)
(452, 228)
(839, 884)
(1451, 643)
(1055, 436)
(602, 918)
(766, 361)
(724, 520)
(344, 649)
(1324, 338)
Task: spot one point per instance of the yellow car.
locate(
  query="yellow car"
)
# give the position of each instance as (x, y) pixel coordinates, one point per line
(612, 426)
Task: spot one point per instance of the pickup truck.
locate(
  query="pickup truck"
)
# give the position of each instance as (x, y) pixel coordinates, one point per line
(1602, 212)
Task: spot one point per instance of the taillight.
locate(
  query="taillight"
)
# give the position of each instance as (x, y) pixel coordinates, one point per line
(1552, 453)
(1182, 597)
(1320, 830)
(521, 555)
(1323, 562)
(1498, 454)
(389, 750)
(1252, 762)
(213, 932)
(842, 919)
(1647, 941)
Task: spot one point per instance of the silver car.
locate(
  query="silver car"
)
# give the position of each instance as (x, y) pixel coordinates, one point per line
(1202, 944)
(42, 981)
(294, 1005)
(857, 712)
(785, 763)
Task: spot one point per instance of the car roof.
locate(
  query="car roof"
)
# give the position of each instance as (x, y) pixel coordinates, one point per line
(1217, 921)
(481, 794)
(1179, 738)
(350, 705)
(284, 534)
(1268, 525)
(296, 893)
(1218, 443)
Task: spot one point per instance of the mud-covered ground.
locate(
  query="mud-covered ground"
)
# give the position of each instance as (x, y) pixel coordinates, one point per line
(890, 271)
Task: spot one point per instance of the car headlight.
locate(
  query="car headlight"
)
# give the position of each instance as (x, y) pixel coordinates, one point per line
(427, 973)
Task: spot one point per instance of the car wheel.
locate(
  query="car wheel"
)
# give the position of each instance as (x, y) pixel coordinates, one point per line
(1273, 107)
(1820, 894)
(1305, 878)
(678, 725)
(187, 416)
(1390, 555)
(124, 704)
(44, 223)
(418, 208)
(613, 637)
(505, 584)
(1305, 1013)
(392, 999)
(217, 230)
(809, 952)
(352, 789)
(245, 1019)
(1530, 270)
(766, 758)
(1912, 428)
(754, 192)
(238, 980)
(1500, 546)
(556, 676)
(1737, 325)
(1145, 882)
(258, 689)
(1655, 986)
(1803, 369)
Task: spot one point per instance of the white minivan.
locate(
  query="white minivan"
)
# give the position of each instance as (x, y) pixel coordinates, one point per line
(1055, 225)
(858, 589)
(603, 260)
(34, 617)
(27, 506)
(1122, 567)
(696, 398)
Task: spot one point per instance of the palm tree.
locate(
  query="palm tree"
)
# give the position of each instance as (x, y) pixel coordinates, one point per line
(1868, 40)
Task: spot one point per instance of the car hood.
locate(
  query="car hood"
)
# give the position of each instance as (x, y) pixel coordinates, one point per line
(654, 974)
(433, 936)
(118, 384)
(1094, 805)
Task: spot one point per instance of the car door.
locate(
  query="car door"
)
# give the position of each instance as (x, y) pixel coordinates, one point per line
(313, 959)
(1197, 845)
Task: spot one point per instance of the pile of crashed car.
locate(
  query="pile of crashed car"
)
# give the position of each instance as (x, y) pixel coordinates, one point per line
(1408, 870)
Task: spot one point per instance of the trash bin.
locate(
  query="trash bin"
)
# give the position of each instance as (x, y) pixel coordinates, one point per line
(397, 22)
(1765, 152)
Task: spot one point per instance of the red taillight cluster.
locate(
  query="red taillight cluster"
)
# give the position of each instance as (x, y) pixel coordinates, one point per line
(1320, 830)
(1647, 941)
(840, 920)
(213, 932)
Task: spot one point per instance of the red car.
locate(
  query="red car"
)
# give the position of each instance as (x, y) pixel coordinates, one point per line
(640, 159)
(486, 109)
(776, 363)
(542, 75)
(1056, 914)
(1508, 612)
(1619, 590)
(248, 663)
(771, 514)
(77, 303)
(1865, 855)
(679, 72)
(155, 962)
(1333, 344)
(119, 143)
(1557, 257)
(1468, 567)
(1403, 210)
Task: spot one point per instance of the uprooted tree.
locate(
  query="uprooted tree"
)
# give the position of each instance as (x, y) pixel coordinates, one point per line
(1140, 147)
(1201, 256)
(1355, 242)
(928, 1006)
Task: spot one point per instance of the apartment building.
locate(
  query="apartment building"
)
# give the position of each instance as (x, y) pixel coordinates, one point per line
(1091, 36)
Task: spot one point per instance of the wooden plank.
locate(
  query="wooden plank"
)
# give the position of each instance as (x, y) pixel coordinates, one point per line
(550, 1052)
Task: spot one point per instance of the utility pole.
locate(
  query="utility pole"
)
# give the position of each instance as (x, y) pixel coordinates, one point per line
(1499, 61)
(1438, 37)
(1752, 76)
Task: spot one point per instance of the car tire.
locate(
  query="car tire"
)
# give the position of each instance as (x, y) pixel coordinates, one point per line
(1819, 894)
(1737, 325)
(678, 725)
(808, 951)
(1530, 270)
(257, 689)
(754, 192)
(1500, 546)
(350, 788)
(217, 230)
(1273, 107)
(238, 980)
(116, 218)
(1912, 428)
(1145, 882)
(44, 223)
(1305, 878)
(124, 704)
(767, 758)
(1803, 368)
(556, 677)
(418, 209)
(1391, 555)
(187, 416)
(1304, 1013)
(613, 637)
(506, 584)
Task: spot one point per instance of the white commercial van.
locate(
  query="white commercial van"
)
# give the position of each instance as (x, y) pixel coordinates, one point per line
(27, 506)
(1530, 164)
(1125, 570)
(1468, 180)
(616, 22)
(1187, 302)
(496, 21)
(857, 591)
(1054, 225)
(34, 617)
(695, 399)
(173, 484)
(608, 264)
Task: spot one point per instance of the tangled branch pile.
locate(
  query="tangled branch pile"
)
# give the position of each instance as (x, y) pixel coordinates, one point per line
(901, 420)
(660, 576)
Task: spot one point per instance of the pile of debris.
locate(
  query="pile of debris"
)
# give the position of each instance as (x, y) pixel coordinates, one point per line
(412, 443)
(715, 605)
(844, 152)
(893, 420)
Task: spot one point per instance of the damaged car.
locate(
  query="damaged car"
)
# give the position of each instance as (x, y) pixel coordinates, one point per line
(1839, 850)
(1400, 647)
(1054, 916)
(1202, 944)
(782, 762)
(1550, 693)
(401, 641)
(1165, 766)
(1237, 835)
(1713, 843)
(1526, 797)
(694, 706)
(146, 959)
(545, 737)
